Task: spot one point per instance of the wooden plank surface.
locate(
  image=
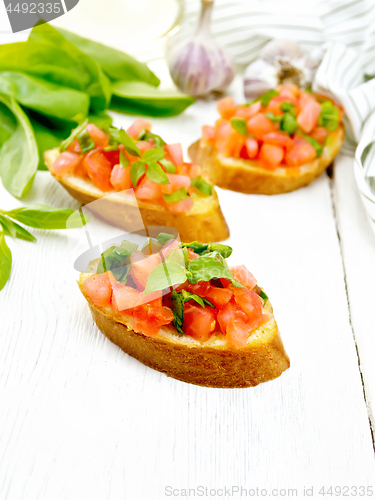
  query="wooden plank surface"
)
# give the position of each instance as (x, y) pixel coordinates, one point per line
(80, 419)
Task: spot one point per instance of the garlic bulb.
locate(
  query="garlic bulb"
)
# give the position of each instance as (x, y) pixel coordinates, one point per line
(197, 64)
(280, 62)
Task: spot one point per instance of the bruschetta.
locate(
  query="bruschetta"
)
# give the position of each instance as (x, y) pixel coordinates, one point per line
(278, 143)
(92, 164)
(182, 311)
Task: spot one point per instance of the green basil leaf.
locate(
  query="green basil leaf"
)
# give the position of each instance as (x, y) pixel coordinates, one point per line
(318, 147)
(19, 156)
(274, 118)
(75, 132)
(267, 97)
(288, 123)
(45, 217)
(137, 169)
(164, 237)
(142, 99)
(176, 303)
(164, 276)
(224, 250)
(193, 296)
(264, 297)
(177, 256)
(288, 106)
(85, 141)
(201, 184)
(13, 229)
(240, 125)
(178, 195)
(168, 165)
(331, 125)
(196, 246)
(116, 64)
(145, 135)
(101, 119)
(208, 266)
(116, 259)
(123, 138)
(153, 154)
(5, 260)
(156, 173)
(124, 162)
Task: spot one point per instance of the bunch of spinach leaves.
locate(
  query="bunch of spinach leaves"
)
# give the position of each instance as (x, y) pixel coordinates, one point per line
(53, 82)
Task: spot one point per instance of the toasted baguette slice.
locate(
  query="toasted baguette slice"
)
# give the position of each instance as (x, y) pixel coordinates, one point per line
(248, 176)
(211, 364)
(205, 222)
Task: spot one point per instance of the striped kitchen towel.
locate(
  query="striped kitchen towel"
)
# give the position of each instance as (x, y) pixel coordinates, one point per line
(344, 30)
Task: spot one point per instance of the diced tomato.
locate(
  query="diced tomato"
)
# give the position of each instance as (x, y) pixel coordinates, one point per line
(302, 152)
(99, 169)
(120, 178)
(98, 288)
(142, 267)
(278, 138)
(271, 155)
(208, 134)
(219, 296)
(174, 154)
(230, 311)
(148, 190)
(226, 107)
(290, 91)
(249, 301)
(228, 141)
(136, 128)
(65, 163)
(113, 157)
(199, 322)
(148, 320)
(260, 125)
(320, 134)
(123, 297)
(81, 168)
(308, 117)
(251, 147)
(100, 138)
(169, 247)
(192, 170)
(200, 288)
(192, 254)
(143, 146)
(275, 103)
(243, 276)
(247, 112)
(237, 333)
(74, 146)
(153, 299)
(183, 206)
(176, 182)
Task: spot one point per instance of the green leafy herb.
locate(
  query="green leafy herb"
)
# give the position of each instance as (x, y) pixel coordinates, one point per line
(46, 217)
(196, 246)
(116, 259)
(137, 169)
(145, 135)
(264, 297)
(240, 125)
(201, 184)
(274, 118)
(168, 165)
(75, 132)
(209, 266)
(176, 303)
(14, 230)
(318, 147)
(5, 260)
(124, 162)
(201, 248)
(164, 237)
(202, 301)
(165, 275)
(85, 141)
(288, 123)
(267, 97)
(153, 154)
(19, 156)
(288, 106)
(224, 250)
(329, 116)
(121, 137)
(178, 195)
(156, 173)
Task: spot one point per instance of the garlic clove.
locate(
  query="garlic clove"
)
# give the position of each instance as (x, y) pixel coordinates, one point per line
(280, 49)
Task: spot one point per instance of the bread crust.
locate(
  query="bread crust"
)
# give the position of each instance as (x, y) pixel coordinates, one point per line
(209, 364)
(204, 223)
(248, 176)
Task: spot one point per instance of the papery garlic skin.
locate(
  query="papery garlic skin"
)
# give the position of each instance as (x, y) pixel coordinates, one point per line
(280, 62)
(197, 64)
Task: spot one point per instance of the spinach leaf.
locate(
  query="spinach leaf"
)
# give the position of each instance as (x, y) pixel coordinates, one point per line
(142, 99)
(45, 217)
(178, 195)
(13, 229)
(116, 64)
(44, 97)
(19, 156)
(5, 260)
(201, 184)
(165, 275)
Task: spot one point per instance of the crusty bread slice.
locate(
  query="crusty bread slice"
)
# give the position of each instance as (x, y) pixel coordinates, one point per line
(247, 176)
(212, 363)
(205, 222)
